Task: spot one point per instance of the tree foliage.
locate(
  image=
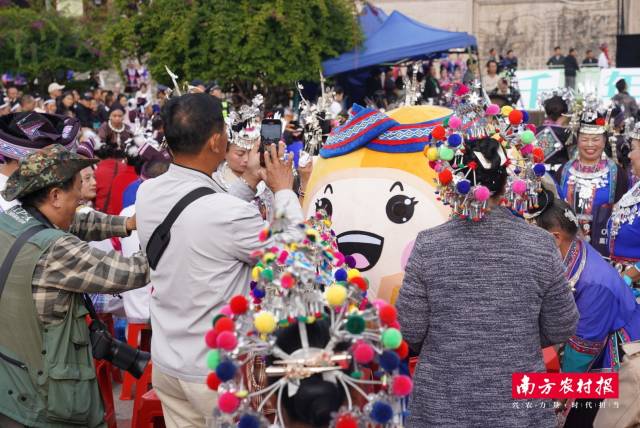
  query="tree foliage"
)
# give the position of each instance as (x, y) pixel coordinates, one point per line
(270, 42)
(45, 45)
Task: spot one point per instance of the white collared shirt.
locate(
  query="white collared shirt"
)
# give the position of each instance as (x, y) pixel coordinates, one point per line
(205, 264)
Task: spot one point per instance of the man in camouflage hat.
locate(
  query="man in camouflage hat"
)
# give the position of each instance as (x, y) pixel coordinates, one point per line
(47, 377)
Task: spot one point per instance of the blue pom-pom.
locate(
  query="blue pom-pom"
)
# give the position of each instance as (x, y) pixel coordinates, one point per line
(381, 412)
(454, 140)
(340, 275)
(525, 116)
(463, 186)
(248, 421)
(389, 360)
(539, 169)
(517, 171)
(258, 293)
(226, 370)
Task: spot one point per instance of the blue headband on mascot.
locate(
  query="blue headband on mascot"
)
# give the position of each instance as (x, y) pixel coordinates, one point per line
(376, 131)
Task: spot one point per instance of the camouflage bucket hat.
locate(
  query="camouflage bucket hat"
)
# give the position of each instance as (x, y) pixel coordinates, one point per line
(49, 166)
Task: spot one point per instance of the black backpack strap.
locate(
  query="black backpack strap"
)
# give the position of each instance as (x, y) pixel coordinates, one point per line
(162, 235)
(7, 264)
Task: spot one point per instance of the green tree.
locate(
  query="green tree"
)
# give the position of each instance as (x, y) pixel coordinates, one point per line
(45, 45)
(244, 42)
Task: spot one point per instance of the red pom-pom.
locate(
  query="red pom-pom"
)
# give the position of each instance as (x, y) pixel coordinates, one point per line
(445, 176)
(346, 420)
(473, 165)
(403, 350)
(401, 385)
(438, 132)
(432, 164)
(359, 282)
(226, 340)
(224, 324)
(388, 314)
(515, 117)
(363, 353)
(600, 121)
(212, 381)
(210, 338)
(239, 304)
(228, 402)
(538, 155)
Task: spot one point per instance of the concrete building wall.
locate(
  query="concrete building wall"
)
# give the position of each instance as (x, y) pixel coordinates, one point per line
(530, 28)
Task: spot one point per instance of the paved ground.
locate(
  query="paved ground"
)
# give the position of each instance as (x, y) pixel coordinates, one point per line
(124, 409)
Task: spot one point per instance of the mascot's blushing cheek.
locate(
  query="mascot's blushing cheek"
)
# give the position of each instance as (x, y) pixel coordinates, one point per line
(376, 215)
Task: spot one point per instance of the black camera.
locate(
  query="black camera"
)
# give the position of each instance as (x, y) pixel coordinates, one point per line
(118, 353)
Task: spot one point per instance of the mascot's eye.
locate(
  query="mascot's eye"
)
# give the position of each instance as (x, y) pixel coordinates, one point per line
(324, 204)
(400, 208)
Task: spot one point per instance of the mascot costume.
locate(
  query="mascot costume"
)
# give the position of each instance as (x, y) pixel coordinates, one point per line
(372, 178)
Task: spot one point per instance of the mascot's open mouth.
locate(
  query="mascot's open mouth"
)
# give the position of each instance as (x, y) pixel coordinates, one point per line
(364, 247)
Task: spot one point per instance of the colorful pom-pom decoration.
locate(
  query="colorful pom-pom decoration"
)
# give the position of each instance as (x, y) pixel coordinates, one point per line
(287, 281)
(538, 155)
(340, 275)
(455, 122)
(212, 381)
(355, 324)
(249, 421)
(239, 304)
(445, 177)
(438, 132)
(359, 282)
(363, 353)
(527, 136)
(264, 234)
(432, 154)
(454, 140)
(264, 322)
(403, 350)
(506, 110)
(481, 193)
(350, 261)
(391, 338)
(492, 109)
(401, 385)
(227, 340)
(352, 273)
(381, 412)
(226, 370)
(525, 116)
(335, 294)
(515, 117)
(347, 420)
(389, 360)
(210, 338)
(526, 150)
(539, 169)
(213, 359)
(519, 186)
(463, 186)
(445, 153)
(228, 402)
(600, 121)
(224, 324)
(388, 314)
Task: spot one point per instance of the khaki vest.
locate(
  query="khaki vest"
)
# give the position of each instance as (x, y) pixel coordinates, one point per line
(47, 376)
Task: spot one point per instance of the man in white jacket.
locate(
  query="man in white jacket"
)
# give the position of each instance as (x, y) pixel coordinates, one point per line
(207, 260)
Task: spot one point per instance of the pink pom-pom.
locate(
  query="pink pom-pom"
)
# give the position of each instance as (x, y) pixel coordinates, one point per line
(481, 193)
(462, 90)
(338, 258)
(531, 127)
(493, 109)
(526, 150)
(401, 385)
(379, 303)
(227, 341)
(363, 353)
(455, 122)
(226, 311)
(228, 402)
(264, 234)
(211, 338)
(519, 187)
(282, 258)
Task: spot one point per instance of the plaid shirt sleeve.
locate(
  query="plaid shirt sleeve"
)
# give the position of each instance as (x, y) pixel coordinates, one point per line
(96, 226)
(72, 266)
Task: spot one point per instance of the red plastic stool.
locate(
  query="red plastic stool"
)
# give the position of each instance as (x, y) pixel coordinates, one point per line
(135, 339)
(103, 374)
(143, 385)
(149, 409)
(551, 359)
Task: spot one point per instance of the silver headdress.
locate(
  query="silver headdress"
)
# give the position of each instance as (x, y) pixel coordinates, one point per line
(590, 115)
(566, 94)
(244, 124)
(312, 115)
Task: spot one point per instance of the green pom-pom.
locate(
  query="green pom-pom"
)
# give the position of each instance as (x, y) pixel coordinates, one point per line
(213, 359)
(445, 122)
(355, 324)
(527, 137)
(391, 338)
(260, 265)
(446, 153)
(267, 274)
(356, 375)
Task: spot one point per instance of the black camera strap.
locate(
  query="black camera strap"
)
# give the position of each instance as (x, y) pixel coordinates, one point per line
(7, 264)
(89, 305)
(162, 235)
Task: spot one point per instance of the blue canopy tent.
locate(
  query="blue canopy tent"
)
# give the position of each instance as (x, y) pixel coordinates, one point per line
(398, 38)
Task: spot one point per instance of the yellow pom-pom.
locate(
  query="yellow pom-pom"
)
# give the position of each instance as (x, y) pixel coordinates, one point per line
(268, 257)
(311, 319)
(335, 295)
(327, 222)
(264, 322)
(431, 153)
(242, 394)
(505, 110)
(255, 273)
(352, 273)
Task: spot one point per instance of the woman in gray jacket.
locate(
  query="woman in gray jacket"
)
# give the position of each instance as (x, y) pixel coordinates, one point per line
(479, 301)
